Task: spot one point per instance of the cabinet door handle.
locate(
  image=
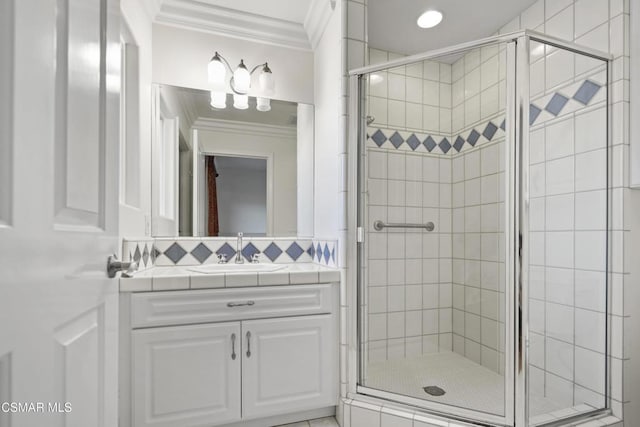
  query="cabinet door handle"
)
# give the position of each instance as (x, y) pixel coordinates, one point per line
(240, 304)
(233, 346)
(248, 344)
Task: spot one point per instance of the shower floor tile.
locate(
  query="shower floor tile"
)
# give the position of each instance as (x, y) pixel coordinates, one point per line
(466, 383)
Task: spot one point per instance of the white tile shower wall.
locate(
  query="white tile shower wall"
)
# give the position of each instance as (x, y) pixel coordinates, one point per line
(409, 270)
(478, 124)
(415, 97)
(409, 292)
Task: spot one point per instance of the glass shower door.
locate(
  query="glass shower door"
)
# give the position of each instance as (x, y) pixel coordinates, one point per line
(433, 285)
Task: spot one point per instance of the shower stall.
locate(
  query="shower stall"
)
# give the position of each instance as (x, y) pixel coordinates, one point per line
(483, 221)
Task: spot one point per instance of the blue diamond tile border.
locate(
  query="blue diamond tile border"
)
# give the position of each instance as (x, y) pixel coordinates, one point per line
(586, 92)
(249, 250)
(272, 251)
(379, 138)
(175, 252)
(556, 103)
(227, 250)
(429, 143)
(396, 139)
(294, 251)
(201, 252)
(413, 142)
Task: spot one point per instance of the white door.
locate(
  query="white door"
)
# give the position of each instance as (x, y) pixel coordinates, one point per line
(289, 364)
(59, 113)
(187, 375)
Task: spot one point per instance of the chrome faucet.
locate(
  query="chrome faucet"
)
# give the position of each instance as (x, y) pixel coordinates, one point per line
(239, 257)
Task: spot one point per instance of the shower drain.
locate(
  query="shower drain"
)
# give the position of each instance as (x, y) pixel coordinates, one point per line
(434, 390)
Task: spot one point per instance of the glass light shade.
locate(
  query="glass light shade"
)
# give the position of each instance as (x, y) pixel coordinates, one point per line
(241, 78)
(263, 104)
(218, 99)
(240, 102)
(267, 82)
(429, 19)
(216, 72)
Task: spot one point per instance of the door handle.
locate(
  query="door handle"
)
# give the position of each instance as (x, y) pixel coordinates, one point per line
(113, 266)
(248, 344)
(233, 346)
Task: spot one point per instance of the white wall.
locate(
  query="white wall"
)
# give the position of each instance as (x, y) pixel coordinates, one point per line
(246, 143)
(305, 154)
(329, 137)
(180, 58)
(242, 201)
(133, 219)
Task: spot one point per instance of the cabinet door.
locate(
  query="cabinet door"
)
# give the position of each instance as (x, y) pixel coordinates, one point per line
(186, 375)
(288, 364)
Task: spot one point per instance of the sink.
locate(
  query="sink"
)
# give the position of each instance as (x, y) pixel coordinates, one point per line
(236, 268)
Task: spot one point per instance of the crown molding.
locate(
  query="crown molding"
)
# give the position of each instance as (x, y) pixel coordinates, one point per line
(246, 128)
(317, 19)
(198, 15)
(151, 7)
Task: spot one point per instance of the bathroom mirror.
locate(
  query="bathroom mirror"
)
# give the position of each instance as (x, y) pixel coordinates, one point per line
(216, 172)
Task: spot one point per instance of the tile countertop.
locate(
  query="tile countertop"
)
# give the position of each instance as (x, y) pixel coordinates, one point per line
(180, 278)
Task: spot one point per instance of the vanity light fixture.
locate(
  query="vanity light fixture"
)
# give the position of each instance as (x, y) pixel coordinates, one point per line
(429, 19)
(240, 84)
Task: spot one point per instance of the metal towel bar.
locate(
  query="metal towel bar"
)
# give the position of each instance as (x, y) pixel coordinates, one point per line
(379, 225)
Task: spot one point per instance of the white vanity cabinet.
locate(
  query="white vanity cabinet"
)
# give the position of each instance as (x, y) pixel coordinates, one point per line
(186, 375)
(217, 357)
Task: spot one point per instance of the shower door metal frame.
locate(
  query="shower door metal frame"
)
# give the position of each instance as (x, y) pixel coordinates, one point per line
(516, 228)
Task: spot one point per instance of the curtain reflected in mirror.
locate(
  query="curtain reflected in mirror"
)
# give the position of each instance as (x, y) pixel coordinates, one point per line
(236, 196)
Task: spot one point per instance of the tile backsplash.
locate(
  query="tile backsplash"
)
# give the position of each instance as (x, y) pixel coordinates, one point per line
(195, 251)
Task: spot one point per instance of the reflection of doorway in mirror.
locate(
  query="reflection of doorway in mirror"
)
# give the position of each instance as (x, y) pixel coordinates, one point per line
(239, 186)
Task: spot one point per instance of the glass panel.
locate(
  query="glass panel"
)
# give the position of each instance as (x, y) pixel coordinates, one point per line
(568, 233)
(432, 302)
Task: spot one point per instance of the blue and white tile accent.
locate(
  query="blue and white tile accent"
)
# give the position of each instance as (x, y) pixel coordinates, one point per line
(194, 251)
(142, 251)
(567, 99)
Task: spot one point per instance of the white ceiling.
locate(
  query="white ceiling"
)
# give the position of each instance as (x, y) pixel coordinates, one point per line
(287, 10)
(392, 24)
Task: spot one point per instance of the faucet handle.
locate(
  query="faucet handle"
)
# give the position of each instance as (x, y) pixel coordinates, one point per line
(255, 258)
(222, 258)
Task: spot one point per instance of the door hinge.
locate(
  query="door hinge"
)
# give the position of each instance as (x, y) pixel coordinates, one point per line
(359, 234)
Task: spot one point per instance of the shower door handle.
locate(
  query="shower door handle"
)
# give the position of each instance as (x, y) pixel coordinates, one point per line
(380, 225)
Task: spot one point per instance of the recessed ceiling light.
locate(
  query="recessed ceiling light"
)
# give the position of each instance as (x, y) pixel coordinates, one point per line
(429, 19)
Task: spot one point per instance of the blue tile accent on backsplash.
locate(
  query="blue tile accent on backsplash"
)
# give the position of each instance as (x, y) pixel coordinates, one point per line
(378, 137)
(444, 145)
(413, 142)
(473, 137)
(534, 112)
(458, 143)
(503, 125)
(490, 131)
(227, 250)
(137, 255)
(175, 252)
(429, 143)
(294, 251)
(327, 253)
(249, 250)
(556, 103)
(586, 92)
(396, 139)
(272, 251)
(201, 252)
(145, 254)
